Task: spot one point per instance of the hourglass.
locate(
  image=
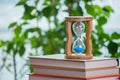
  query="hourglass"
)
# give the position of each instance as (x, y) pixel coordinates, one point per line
(77, 49)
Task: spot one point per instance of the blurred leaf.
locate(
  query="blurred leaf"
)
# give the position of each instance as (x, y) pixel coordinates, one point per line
(117, 55)
(18, 30)
(108, 9)
(97, 9)
(2, 43)
(38, 30)
(24, 23)
(12, 24)
(21, 2)
(28, 12)
(34, 42)
(112, 47)
(21, 50)
(9, 46)
(90, 10)
(76, 10)
(47, 10)
(106, 14)
(47, 2)
(115, 35)
(55, 11)
(107, 36)
(102, 20)
(31, 69)
(47, 50)
(94, 10)
(99, 30)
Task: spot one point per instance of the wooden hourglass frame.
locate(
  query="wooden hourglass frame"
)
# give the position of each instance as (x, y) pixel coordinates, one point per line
(88, 53)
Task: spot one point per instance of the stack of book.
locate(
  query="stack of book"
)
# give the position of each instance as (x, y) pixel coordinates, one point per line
(57, 67)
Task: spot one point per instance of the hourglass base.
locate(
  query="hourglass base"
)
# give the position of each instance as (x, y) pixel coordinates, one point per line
(79, 56)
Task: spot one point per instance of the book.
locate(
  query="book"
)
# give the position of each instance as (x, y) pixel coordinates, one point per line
(44, 77)
(57, 71)
(59, 60)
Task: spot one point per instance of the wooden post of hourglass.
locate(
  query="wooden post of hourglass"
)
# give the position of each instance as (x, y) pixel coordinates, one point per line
(88, 53)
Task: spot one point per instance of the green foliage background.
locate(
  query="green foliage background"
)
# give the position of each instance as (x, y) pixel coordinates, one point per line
(53, 40)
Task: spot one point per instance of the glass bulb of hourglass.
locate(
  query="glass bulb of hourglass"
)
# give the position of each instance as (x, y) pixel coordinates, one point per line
(78, 28)
(78, 45)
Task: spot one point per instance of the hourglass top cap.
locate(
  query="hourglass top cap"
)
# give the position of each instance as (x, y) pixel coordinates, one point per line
(79, 18)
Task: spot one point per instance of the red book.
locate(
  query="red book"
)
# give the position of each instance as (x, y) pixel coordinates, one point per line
(47, 77)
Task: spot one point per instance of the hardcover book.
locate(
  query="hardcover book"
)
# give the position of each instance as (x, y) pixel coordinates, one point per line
(59, 60)
(42, 77)
(56, 71)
